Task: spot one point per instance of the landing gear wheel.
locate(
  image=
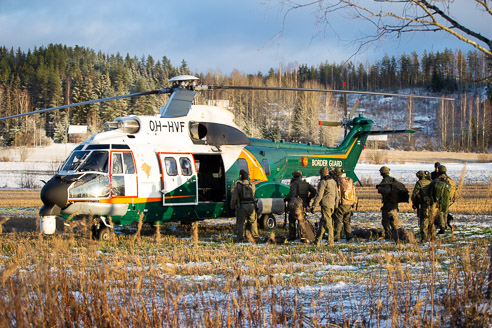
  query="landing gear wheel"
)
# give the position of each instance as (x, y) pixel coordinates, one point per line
(267, 221)
(104, 233)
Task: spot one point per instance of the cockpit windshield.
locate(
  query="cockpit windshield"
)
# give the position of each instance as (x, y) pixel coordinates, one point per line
(87, 161)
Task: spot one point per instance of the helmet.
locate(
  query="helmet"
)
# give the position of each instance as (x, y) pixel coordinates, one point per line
(339, 171)
(442, 169)
(297, 174)
(324, 171)
(420, 174)
(427, 175)
(384, 170)
(437, 164)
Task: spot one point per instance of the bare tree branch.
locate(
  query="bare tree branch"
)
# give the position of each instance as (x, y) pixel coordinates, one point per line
(401, 16)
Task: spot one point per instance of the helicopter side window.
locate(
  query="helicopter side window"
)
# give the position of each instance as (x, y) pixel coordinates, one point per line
(129, 164)
(171, 166)
(117, 165)
(266, 166)
(186, 168)
(243, 165)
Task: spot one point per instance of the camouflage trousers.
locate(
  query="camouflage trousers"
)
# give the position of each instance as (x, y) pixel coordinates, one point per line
(440, 218)
(325, 225)
(296, 213)
(341, 218)
(246, 217)
(425, 225)
(389, 221)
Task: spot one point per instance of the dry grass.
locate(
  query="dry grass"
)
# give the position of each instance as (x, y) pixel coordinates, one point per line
(200, 278)
(69, 280)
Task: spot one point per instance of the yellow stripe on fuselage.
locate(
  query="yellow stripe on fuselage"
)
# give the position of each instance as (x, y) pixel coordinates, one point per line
(130, 200)
(256, 171)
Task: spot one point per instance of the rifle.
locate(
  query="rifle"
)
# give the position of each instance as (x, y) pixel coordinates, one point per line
(285, 213)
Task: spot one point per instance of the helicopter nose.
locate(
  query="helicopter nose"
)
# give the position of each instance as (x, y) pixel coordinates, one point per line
(55, 192)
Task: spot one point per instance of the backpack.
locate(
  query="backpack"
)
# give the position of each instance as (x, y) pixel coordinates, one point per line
(423, 194)
(453, 192)
(441, 191)
(347, 191)
(399, 193)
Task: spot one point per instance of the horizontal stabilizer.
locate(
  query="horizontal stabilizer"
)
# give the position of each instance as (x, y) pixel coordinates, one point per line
(390, 132)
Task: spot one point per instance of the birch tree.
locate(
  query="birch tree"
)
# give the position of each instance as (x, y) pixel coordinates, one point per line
(393, 18)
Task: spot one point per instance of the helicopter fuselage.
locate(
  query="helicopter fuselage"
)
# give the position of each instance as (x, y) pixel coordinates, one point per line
(183, 168)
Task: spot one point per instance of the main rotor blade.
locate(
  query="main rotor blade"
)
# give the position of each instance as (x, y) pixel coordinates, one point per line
(354, 107)
(138, 94)
(328, 123)
(239, 87)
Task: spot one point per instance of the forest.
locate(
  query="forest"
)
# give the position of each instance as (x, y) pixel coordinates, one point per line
(57, 75)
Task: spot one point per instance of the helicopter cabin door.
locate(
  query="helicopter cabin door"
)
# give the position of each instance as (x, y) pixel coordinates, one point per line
(123, 174)
(179, 179)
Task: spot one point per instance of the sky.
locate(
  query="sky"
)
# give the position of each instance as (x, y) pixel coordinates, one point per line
(216, 35)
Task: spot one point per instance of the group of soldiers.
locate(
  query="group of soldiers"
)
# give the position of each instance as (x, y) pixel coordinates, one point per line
(432, 201)
(336, 196)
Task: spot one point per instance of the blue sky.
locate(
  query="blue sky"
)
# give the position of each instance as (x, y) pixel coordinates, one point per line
(248, 35)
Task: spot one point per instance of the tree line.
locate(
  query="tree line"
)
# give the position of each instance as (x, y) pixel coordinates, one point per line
(57, 75)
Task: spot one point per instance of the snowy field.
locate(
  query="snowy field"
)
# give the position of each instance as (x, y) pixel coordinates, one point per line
(42, 162)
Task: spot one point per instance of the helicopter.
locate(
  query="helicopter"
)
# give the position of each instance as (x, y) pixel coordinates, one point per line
(180, 165)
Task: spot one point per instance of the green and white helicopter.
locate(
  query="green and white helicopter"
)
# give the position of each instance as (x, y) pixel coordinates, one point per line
(180, 165)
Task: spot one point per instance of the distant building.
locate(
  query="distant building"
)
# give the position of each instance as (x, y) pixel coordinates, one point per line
(77, 133)
(377, 141)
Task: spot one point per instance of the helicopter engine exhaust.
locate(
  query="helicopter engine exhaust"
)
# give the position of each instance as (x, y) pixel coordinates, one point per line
(270, 206)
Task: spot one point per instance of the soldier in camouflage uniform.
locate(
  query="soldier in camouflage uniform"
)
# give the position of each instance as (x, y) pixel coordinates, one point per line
(439, 210)
(328, 197)
(242, 200)
(341, 216)
(299, 197)
(421, 201)
(389, 210)
(435, 173)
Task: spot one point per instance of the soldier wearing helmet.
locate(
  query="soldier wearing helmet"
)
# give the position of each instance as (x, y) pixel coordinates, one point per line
(435, 173)
(389, 210)
(348, 199)
(442, 192)
(421, 202)
(327, 196)
(299, 197)
(243, 201)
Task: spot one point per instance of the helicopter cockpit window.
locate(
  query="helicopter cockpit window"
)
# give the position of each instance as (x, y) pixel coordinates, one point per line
(74, 161)
(96, 162)
(186, 168)
(171, 166)
(91, 185)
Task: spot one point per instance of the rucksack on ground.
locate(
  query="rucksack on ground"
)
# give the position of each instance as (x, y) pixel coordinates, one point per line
(347, 191)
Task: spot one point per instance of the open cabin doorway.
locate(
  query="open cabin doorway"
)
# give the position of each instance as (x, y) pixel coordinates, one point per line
(211, 178)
